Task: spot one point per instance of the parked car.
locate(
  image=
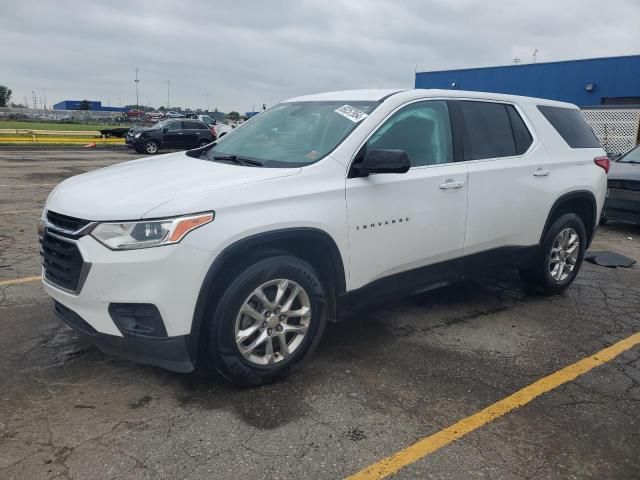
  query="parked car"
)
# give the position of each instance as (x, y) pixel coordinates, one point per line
(236, 255)
(181, 134)
(623, 193)
(220, 129)
(118, 132)
(172, 114)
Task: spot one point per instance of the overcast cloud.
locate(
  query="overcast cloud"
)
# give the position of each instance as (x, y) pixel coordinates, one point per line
(244, 53)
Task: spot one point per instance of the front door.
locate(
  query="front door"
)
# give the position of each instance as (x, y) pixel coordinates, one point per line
(400, 223)
(172, 136)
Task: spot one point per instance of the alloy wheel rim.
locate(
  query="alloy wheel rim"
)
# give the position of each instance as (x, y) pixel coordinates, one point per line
(272, 322)
(564, 254)
(151, 147)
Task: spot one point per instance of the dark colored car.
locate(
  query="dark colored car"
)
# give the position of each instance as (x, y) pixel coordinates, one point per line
(174, 133)
(623, 193)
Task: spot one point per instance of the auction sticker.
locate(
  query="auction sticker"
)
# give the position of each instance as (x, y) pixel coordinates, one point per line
(351, 113)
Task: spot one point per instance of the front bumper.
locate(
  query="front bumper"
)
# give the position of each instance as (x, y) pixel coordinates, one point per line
(167, 277)
(178, 354)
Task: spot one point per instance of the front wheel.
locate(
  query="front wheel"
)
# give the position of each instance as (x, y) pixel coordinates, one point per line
(151, 147)
(267, 322)
(560, 256)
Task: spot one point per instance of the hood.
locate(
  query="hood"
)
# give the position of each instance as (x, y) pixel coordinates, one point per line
(129, 190)
(624, 171)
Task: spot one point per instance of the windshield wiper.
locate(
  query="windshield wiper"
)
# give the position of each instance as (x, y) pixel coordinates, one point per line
(238, 160)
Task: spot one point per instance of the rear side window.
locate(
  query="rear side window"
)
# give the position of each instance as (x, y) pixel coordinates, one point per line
(194, 126)
(486, 131)
(571, 126)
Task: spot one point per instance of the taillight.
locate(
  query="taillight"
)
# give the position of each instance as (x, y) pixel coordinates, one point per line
(213, 130)
(603, 162)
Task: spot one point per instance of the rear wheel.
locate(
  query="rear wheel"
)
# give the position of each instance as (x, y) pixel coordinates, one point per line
(560, 257)
(267, 322)
(204, 143)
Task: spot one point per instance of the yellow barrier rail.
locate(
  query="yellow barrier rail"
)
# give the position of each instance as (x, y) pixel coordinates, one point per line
(50, 139)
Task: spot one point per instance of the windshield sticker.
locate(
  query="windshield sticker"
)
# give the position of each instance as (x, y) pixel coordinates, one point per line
(351, 113)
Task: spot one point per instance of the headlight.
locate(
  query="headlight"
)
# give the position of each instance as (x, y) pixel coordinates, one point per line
(137, 135)
(148, 233)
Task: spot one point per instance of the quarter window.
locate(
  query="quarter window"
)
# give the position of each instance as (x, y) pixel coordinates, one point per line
(422, 129)
(571, 125)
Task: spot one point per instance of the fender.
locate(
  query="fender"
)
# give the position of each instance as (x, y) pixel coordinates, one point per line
(266, 239)
(578, 194)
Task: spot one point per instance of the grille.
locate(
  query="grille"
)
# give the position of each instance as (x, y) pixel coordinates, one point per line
(65, 222)
(62, 262)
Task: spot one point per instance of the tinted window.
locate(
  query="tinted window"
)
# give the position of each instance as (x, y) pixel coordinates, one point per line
(174, 126)
(194, 126)
(571, 126)
(487, 131)
(521, 133)
(422, 129)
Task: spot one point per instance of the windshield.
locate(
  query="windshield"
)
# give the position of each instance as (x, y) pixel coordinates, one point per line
(161, 124)
(632, 157)
(292, 134)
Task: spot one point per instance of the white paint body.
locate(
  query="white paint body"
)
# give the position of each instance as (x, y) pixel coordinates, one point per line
(500, 203)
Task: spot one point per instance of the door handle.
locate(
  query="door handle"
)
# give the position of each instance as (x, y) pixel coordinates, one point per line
(541, 172)
(450, 183)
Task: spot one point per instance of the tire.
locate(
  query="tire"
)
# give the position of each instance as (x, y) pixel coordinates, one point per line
(265, 324)
(549, 277)
(151, 147)
(204, 143)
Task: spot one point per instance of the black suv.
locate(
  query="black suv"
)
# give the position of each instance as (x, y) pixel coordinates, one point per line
(178, 133)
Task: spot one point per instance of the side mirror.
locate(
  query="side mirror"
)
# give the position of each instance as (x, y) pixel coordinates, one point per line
(384, 161)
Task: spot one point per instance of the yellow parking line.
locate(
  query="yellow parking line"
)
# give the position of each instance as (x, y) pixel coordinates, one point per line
(16, 281)
(392, 464)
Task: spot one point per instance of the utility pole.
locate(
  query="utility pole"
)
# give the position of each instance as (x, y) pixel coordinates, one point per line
(535, 53)
(207, 103)
(168, 89)
(35, 100)
(137, 100)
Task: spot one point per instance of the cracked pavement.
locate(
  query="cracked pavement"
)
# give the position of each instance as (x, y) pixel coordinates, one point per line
(390, 376)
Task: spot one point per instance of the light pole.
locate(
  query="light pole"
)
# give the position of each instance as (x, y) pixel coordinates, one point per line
(207, 103)
(168, 87)
(137, 100)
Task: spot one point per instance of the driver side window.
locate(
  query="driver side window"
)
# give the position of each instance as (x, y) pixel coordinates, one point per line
(422, 129)
(174, 126)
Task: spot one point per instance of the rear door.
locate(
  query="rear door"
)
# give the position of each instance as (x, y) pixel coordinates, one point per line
(193, 132)
(404, 223)
(508, 171)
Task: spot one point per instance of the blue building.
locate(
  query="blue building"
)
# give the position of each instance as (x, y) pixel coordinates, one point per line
(589, 82)
(94, 105)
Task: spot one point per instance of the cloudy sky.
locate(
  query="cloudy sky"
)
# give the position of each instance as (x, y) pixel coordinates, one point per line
(245, 53)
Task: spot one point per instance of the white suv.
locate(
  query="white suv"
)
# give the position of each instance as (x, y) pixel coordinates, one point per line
(237, 254)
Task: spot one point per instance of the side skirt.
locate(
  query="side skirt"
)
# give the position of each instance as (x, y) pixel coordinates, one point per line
(435, 276)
